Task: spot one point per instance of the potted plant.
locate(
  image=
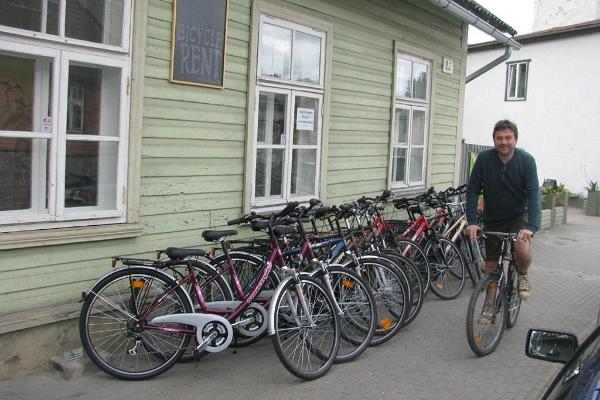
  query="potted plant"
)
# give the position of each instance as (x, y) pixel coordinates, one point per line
(592, 205)
(554, 195)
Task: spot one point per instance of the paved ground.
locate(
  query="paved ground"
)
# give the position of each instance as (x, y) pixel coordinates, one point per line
(430, 359)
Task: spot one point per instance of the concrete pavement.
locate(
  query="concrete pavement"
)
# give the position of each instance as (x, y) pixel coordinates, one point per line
(430, 359)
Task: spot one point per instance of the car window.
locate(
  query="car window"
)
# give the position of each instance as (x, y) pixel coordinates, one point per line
(581, 375)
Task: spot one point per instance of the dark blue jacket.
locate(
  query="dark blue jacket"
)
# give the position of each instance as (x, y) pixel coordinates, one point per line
(508, 190)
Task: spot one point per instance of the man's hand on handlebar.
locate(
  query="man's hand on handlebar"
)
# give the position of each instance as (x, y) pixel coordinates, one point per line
(471, 231)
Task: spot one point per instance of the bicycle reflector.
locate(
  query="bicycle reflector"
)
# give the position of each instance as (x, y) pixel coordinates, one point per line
(385, 324)
(347, 283)
(137, 284)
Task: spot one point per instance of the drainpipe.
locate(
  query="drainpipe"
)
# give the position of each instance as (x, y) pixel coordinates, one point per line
(483, 26)
(490, 65)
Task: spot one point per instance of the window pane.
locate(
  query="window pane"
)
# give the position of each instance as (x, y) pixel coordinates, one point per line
(275, 51)
(416, 165)
(91, 174)
(418, 128)
(269, 173)
(98, 21)
(307, 58)
(23, 181)
(92, 103)
(304, 167)
(306, 120)
(24, 14)
(271, 118)
(399, 165)
(512, 81)
(17, 89)
(401, 134)
(522, 86)
(419, 81)
(403, 77)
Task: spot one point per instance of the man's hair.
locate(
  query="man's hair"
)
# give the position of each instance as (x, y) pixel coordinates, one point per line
(505, 124)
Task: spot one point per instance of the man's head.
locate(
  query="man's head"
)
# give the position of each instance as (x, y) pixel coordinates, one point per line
(505, 137)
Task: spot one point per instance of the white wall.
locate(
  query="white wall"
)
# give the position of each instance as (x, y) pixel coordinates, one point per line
(559, 123)
(553, 13)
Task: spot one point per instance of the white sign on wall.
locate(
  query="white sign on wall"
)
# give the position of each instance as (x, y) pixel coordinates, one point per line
(448, 66)
(305, 119)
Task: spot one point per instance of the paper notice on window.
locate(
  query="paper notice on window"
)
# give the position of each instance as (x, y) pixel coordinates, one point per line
(47, 124)
(305, 119)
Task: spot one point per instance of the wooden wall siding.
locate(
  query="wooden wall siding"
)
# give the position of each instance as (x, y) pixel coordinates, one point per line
(193, 138)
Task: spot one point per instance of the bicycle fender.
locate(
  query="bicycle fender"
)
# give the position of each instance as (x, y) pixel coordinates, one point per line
(274, 299)
(166, 276)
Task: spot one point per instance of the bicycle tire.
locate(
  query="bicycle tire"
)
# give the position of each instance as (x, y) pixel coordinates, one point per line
(107, 330)
(217, 289)
(294, 342)
(413, 279)
(470, 266)
(359, 318)
(246, 266)
(447, 268)
(484, 338)
(514, 301)
(391, 295)
(415, 253)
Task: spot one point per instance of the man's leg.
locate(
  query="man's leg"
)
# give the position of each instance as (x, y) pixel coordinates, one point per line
(523, 250)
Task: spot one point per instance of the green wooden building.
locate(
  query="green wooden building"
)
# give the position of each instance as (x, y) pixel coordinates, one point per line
(115, 141)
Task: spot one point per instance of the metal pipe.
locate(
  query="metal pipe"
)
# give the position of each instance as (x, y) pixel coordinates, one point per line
(477, 22)
(490, 65)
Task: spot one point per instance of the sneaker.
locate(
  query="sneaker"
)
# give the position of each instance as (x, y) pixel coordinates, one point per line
(523, 286)
(487, 316)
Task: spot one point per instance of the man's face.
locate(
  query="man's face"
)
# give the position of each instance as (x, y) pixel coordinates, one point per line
(505, 142)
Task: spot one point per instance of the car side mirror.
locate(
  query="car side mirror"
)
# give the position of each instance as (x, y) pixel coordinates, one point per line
(550, 346)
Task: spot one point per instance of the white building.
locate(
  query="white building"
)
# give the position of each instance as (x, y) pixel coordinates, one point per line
(551, 89)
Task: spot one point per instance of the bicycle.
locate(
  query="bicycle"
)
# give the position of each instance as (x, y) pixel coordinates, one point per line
(495, 302)
(137, 320)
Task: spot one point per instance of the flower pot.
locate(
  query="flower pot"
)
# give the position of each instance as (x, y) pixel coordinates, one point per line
(547, 201)
(592, 205)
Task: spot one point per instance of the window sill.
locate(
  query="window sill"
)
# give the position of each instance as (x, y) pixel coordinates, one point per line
(50, 237)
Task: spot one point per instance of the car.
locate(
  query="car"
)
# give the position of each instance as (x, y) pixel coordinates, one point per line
(579, 378)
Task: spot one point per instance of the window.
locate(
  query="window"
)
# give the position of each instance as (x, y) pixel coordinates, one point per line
(516, 80)
(63, 113)
(411, 121)
(288, 115)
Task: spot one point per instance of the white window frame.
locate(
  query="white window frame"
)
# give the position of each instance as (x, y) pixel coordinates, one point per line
(411, 104)
(63, 51)
(292, 89)
(62, 39)
(509, 71)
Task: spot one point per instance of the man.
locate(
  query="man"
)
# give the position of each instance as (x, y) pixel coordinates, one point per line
(511, 196)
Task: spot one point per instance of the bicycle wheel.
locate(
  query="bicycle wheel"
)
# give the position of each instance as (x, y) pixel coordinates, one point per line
(415, 253)
(471, 265)
(117, 340)
(359, 313)
(413, 279)
(213, 288)
(306, 340)
(248, 268)
(391, 295)
(486, 316)
(514, 301)
(447, 268)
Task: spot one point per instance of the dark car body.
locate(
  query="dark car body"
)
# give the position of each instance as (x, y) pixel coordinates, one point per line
(579, 378)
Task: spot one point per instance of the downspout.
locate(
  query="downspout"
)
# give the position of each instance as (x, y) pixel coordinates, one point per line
(483, 26)
(490, 65)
